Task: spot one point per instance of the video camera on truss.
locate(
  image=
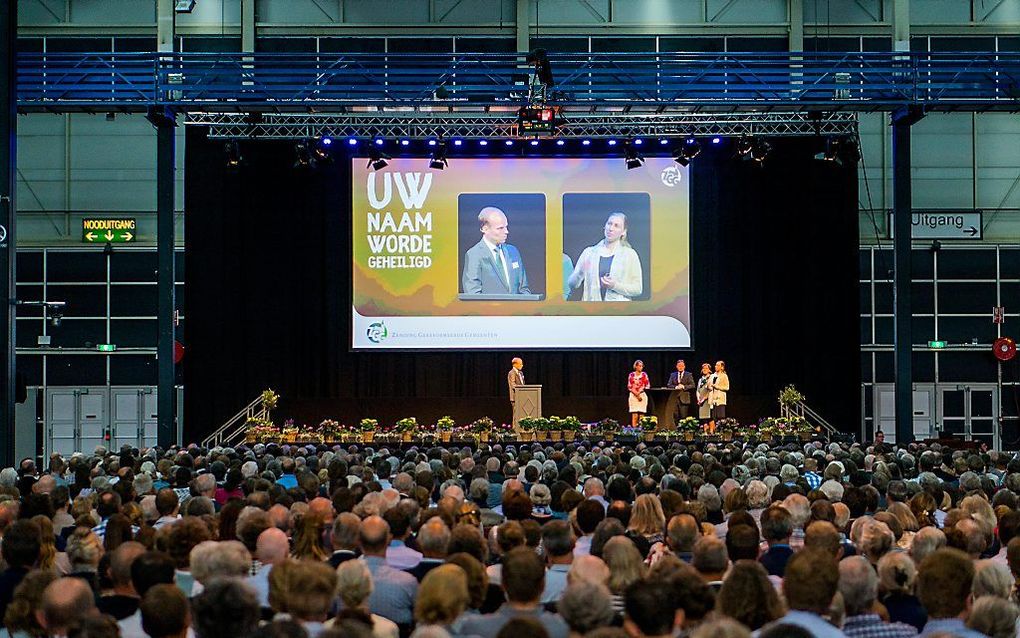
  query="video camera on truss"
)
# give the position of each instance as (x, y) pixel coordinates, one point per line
(539, 116)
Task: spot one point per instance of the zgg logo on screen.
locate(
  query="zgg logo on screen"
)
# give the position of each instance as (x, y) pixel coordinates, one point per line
(377, 332)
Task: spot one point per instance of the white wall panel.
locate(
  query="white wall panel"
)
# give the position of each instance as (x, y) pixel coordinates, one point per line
(386, 11)
(845, 12)
(297, 12)
(943, 161)
(120, 12)
(747, 11)
(556, 12)
(940, 11)
(211, 12)
(656, 12)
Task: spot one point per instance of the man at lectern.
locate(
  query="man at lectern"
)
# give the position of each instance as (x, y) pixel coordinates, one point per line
(492, 266)
(683, 381)
(515, 378)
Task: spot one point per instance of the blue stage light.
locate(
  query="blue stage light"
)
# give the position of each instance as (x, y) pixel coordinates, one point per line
(351, 141)
(432, 142)
(379, 142)
(690, 140)
(716, 140)
(638, 142)
(663, 141)
(612, 142)
(509, 142)
(534, 142)
(560, 142)
(457, 142)
(483, 142)
(586, 142)
(405, 142)
(327, 141)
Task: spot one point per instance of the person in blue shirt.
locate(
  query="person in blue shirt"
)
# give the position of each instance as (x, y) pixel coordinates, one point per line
(287, 480)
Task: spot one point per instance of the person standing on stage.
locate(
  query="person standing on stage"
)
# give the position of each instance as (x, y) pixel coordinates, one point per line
(684, 382)
(515, 378)
(703, 394)
(637, 401)
(719, 385)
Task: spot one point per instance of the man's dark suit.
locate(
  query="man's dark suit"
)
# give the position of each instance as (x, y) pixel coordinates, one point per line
(684, 382)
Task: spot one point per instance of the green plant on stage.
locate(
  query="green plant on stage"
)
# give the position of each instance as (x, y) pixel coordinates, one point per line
(534, 424)
(688, 424)
(445, 424)
(368, 425)
(407, 424)
(570, 424)
(269, 399)
(727, 425)
(555, 423)
(648, 423)
(790, 396)
(608, 426)
(478, 426)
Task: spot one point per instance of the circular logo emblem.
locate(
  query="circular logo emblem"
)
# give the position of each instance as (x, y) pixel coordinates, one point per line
(670, 176)
(377, 332)
(3, 233)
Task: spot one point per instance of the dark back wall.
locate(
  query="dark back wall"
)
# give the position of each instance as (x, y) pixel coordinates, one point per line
(268, 287)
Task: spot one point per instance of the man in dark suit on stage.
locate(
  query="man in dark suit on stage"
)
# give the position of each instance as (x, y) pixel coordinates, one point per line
(493, 266)
(683, 381)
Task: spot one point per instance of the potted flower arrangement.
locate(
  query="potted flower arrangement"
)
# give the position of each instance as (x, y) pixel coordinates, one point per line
(309, 435)
(768, 428)
(406, 428)
(689, 427)
(727, 428)
(482, 428)
(331, 430)
(800, 426)
(530, 426)
(648, 424)
(290, 431)
(790, 396)
(749, 432)
(608, 428)
(368, 429)
(555, 428)
(570, 426)
(260, 431)
(269, 399)
(503, 431)
(445, 426)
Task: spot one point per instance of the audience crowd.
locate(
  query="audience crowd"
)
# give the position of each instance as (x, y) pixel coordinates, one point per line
(570, 540)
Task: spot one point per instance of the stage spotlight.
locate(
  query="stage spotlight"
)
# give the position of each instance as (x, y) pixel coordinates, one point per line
(560, 142)
(438, 160)
(534, 142)
(303, 155)
(744, 144)
(638, 142)
(632, 157)
(405, 142)
(664, 141)
(829, 154)
(586, 142)
(431, 142)
(351, 141)
(760, 149)
(612, 142)
(233, 151)
(320, 150)
(539, 59)
(688, 150)
(377, 160)
(716, 140)
(840, 150)
(457, 142)
(326, 140)
(379, 142)
(483, 142)
(184, 6)
(509, 142)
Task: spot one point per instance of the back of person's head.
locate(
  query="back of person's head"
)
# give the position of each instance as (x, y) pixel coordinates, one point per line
(720, 628)
(520, 627)
(510, 535)
(121, 560)
(94, 626)
(523, 575)
(991, 578)
(302, 588)
(681, 532)
(994, 617)
(151, 569)
(748, 596)
(166, 501)
(944, 582)
(710, 555)
(785, 630)
(897, 573)
(64, 602)
(21, 546)
(742, 542)
(557, 539)
(586, 606)
(810, 581)
(589, 514)
(776, 524)
(651, 608)
(442, 596)
(165, 611)
(226, 607)
(926, 540)
(858, 584)
(824, 536)
(374, 534)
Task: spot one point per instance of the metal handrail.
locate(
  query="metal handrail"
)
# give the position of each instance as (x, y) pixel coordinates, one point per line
(805, 411)
(247, 412)
(254, 81)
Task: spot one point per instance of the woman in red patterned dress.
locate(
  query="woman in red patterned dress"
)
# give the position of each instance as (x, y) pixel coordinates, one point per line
(637, 401)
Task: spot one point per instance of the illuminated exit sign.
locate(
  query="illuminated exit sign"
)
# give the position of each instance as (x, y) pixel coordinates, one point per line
(108, 230)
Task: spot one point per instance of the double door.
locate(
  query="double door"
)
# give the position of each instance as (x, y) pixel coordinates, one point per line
(968, 411)
(81, 418)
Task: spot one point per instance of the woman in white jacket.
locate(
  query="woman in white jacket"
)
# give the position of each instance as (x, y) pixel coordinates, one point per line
(610, 270)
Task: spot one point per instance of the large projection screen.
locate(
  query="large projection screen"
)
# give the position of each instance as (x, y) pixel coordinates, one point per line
(546, 270)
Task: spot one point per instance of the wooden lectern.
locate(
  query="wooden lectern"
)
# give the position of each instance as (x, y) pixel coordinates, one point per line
(528, 402)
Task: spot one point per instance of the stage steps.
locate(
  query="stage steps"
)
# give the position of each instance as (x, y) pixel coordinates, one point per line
(233, 431)
(805, 411)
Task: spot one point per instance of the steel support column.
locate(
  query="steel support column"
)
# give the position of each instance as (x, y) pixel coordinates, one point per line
(8, 185)
(903, 334)
(166, 423)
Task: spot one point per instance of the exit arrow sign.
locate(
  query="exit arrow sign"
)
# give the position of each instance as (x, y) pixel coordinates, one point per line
(943, 224)
(108, 230)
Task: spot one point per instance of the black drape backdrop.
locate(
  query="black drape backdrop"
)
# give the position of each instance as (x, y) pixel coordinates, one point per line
(267, 248)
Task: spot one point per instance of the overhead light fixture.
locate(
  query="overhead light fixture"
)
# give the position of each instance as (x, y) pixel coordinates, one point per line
(840, 150)
(744, 144)
(377, 160)
(632, 157)
(233, 152)
(302, 155)
(760, 149)
(184, 6)
(539, 59)
(687, 151)
(438, 161)
(320, 150)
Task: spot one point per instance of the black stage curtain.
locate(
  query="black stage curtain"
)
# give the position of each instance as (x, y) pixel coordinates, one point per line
(775, 294)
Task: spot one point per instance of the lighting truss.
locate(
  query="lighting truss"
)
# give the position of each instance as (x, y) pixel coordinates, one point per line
(448, 125)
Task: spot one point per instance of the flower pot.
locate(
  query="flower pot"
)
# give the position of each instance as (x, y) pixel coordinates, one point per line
(649, 436)
(483, 437)
(445, 436)
(367, 437)
(805, 436)
(727, 436)
(609, 437)
(527, 436)
(568, 435)
(688, 436)
(554, 435)
(406, 436)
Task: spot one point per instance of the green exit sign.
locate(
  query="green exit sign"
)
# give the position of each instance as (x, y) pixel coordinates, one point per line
(108, 230)
(936, 345)
(106, 347)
